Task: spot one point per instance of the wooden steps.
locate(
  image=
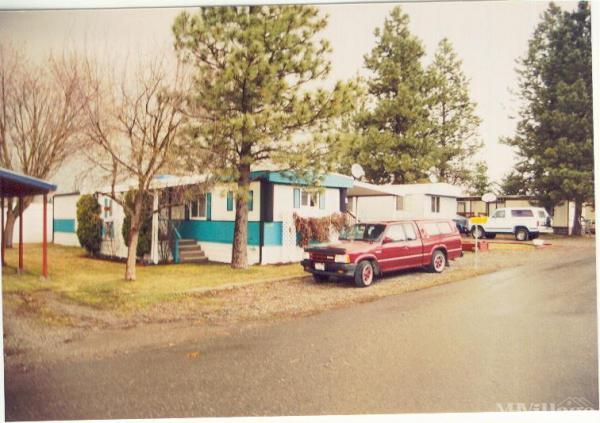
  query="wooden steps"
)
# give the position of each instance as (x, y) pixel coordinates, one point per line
(191, 252)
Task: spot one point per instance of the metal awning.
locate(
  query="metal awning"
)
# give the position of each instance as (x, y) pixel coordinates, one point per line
(365, 189)
(13, 184)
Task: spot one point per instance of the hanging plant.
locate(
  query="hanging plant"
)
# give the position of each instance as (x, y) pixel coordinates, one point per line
(319, 229)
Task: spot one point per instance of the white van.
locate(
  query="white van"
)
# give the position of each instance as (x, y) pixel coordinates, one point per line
(524, 222)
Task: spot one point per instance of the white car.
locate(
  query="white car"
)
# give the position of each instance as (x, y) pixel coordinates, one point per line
(523, 222)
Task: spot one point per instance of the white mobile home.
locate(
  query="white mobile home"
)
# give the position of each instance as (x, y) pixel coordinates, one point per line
(390, 202)
(203, 226)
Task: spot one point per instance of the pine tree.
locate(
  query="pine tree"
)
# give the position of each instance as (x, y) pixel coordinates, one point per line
(454, 124)
(250, 101)
(393, 143)
(554, 138)
(480, 183)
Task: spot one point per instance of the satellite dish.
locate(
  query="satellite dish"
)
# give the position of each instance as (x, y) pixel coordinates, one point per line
(432, 176)
(489, 197)
(357, 171)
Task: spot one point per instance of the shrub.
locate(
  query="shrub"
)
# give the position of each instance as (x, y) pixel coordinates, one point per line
(145, 235)
(319, 228)
(89, 224)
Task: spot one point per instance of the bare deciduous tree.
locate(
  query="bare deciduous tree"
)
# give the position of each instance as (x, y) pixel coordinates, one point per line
(133, 121)
(40, 118)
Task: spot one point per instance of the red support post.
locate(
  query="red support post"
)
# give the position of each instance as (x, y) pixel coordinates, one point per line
(45, 239)
(2, 227)
(20, 234)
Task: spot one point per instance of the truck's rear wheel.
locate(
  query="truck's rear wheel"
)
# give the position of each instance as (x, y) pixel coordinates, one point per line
(521, 234)
(364, 274)
(438, 262)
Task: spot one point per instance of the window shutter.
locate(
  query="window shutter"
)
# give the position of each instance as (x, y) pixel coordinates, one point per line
(208, 206)
(229, 200)
(322, 200)
(296, 198)
(251, 200)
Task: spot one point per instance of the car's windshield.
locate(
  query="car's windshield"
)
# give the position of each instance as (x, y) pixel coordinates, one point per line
(363, 232)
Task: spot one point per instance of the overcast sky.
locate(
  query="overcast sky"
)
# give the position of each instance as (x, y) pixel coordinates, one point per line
(488, 36)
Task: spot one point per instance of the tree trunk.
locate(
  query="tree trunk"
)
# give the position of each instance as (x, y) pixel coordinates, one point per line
(12, 212)
(239, 253)
(9, 228)
(134, 234)
(577, 217)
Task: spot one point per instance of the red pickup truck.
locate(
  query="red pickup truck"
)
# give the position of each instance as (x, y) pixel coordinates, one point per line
(368, 250)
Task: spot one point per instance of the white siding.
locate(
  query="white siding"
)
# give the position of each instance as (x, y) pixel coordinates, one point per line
(65, 207)
(32, 222)
(219, 203)
(415, 206)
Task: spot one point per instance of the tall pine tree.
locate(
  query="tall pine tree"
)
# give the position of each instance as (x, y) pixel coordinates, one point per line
(251, 103)
(454, 123)
(554, 138)
(393, 143)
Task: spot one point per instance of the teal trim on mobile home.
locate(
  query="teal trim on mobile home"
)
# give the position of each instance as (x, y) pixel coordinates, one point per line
(64, 225)
(330, 180)
(221, 231)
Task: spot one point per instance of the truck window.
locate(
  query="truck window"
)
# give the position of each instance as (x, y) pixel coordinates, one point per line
(500, 214)
(541, 214)
(521, 213)
(431, 229)
(444, 228)
(409, 230)
(396, 233)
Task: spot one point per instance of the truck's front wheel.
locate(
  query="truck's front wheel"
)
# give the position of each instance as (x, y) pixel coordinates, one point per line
(438, 262)
(478, 232)
(364, 274)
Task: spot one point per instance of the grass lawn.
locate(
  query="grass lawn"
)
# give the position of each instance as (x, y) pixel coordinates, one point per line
(100, 283)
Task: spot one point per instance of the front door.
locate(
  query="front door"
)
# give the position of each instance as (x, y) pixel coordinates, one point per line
(394, 248)
(498, 222)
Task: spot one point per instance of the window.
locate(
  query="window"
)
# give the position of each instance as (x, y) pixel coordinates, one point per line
(500, 214)
(409, 230)
(461, 207)
(363, 232)
(229, 200)
(198, 207)
(521, 213)
(435, 204)
(251, 201)
(445, 228)
(432, 229)
(350, 203)
(399, 203)
(396, 233)
(107, 208)
(309, 199)
(542, 214)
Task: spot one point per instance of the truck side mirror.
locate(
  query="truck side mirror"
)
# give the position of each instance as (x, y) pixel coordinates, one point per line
(387, 240)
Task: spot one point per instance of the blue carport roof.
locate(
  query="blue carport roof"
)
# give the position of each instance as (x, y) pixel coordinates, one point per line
(14, 184)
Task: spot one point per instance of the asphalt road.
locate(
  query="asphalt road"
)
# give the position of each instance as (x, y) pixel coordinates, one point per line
(521, 338)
